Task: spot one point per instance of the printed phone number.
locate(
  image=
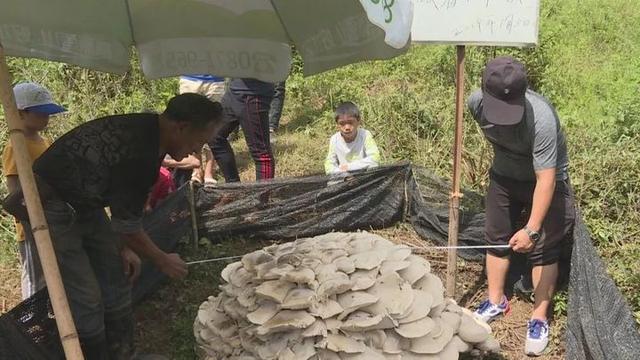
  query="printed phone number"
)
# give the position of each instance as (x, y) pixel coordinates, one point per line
(258, 62)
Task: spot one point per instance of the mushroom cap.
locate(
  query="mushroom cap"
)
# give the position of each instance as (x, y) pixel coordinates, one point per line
(265, 311)
(257, 257)
(416, 329)
(231, 268)
(324, 354)
(460, 344)
(264, 268)
(399, 253)
(363, 279)
(345, 264)
(393, 266)
(334, 286)
(247, 298)
(275, 290)
(451, 319)
(304, 350)
(395, 296)
(394, 343)
(277, 272)
(341, 343)
(418, 268)
(275, 345)
(432, 344)
(299, 298)
(325, 272)
(326, 256)
(240, 278)
(286, 320)
(433, 285)
(361, 321)
(375, 338)
(420, 307)
(233, 308)
(326, 309)
(354, 300)
(450, 352)
(472, 329)
(318, 328)
(302, 275)
(369, 259)
(361, 244)
(367, 354)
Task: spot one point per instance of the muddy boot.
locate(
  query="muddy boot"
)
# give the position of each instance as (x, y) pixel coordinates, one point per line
(119, 332)
(95, 347)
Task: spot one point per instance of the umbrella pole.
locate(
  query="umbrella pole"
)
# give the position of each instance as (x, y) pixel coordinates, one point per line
(454, 203)
(64, 321)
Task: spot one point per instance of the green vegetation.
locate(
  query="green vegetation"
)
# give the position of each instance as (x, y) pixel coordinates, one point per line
(587, 64)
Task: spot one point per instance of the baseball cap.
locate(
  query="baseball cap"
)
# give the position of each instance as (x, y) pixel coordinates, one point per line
(35, 97)
(504, 84)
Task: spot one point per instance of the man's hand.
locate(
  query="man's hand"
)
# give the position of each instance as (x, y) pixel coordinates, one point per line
(131, 264)
(520, 242)
(173, 266)
(344, 167)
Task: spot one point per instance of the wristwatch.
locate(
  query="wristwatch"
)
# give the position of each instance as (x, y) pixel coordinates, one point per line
(533, 235)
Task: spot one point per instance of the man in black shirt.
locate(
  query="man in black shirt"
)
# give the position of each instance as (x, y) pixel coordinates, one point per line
(114, 162)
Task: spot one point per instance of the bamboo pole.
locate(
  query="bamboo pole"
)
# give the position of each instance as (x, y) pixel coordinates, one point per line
(454, 203)
(64, 320)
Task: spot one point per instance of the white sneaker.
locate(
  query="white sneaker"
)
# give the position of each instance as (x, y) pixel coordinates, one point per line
(488, 311)
(537, 337)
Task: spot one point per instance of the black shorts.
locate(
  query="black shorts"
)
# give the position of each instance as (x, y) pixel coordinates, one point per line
(508, 198)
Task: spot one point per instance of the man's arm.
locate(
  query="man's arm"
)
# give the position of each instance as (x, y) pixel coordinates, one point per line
(170, 264)
(188, 163)
(542, 195)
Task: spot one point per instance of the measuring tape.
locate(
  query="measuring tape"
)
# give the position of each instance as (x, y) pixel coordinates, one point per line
(460, 247)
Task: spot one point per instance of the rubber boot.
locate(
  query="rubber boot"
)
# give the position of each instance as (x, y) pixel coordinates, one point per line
(119, 330)
(95, 347)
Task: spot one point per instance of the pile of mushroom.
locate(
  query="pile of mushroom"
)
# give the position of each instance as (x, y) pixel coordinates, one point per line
(335, 296)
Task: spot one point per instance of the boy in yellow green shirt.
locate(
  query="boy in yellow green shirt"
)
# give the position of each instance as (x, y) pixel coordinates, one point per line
(35, 105)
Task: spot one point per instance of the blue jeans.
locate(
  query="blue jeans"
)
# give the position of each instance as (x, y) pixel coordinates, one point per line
(88, 255)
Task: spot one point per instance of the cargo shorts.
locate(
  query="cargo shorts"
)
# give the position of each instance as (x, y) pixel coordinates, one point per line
(505, 202)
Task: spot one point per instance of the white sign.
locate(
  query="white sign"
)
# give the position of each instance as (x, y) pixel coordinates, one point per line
(476, 22)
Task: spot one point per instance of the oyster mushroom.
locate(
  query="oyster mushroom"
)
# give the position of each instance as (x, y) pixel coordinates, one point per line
(264, 312)
(275, 290)
(354, 300)
(286, 320)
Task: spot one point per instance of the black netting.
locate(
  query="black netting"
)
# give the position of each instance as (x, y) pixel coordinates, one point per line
(599, 325)
(29, 332)
(599, 322)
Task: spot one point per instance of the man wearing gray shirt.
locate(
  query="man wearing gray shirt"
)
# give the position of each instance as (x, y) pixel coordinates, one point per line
(529, 172)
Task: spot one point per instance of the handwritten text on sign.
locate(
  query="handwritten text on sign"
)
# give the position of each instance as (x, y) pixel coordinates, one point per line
(482, 22)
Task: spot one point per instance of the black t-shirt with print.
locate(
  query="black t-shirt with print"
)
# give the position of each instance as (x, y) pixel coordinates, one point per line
(112, 161)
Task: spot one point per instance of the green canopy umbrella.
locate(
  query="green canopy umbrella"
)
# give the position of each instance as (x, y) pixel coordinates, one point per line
(233, 38)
